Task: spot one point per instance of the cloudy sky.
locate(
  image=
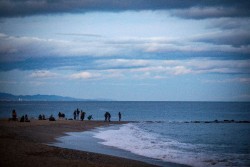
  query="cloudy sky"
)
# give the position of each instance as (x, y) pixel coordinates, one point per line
(168, 50)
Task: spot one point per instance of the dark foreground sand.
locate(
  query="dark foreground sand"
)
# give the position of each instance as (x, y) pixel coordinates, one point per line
(23, 144)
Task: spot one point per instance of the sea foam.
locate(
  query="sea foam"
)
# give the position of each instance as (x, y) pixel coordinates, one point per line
(132, 138)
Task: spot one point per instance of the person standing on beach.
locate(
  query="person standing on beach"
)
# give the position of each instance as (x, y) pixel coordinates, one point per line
(77, 112)
(26, 119)
(109, 116)
(120, 116)
(74, 115)
(82, 115)
(106, 116)
(14, 115)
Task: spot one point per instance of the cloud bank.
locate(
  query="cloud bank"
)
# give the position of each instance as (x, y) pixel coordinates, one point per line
(20, 48)
(193, 8)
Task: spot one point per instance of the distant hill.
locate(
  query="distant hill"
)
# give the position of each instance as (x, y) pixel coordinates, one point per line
(38, 97)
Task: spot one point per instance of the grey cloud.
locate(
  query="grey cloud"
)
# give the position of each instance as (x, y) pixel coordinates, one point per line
(230, 23)
(211, 12)
(12, 8)
(158, 69)
(234, 38)
(20, 48)
(14, 48)
(181, 67)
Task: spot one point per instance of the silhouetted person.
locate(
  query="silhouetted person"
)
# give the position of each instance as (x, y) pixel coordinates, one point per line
(14, 115)
(120, 116)
(51, 118)
(43, 117)
(40, 117)
(22, 119)
(82, 115)
(75, 115)
(26, 119)
(106, 116)
(61, 115)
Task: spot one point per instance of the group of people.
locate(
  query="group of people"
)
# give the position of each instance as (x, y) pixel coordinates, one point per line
(78, 115)
(51, 118)
(107, 116)
(24, 118)
(41, 117)
(61, 115)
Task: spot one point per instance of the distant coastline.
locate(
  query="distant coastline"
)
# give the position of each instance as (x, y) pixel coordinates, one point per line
(39, 97)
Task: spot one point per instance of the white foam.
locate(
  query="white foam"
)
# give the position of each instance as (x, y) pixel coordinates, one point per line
(138, 141)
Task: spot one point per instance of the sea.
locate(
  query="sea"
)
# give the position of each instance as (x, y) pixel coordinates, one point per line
(190, 133)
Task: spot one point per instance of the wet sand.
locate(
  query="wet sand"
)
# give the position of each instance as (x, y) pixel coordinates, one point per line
(24, 144)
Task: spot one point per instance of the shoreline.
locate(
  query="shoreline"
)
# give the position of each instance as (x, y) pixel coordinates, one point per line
(89, 143)
(26, 144)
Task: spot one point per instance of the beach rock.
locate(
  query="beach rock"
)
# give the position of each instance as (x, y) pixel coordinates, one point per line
(244, 121)
(216, 121)
(196, 122)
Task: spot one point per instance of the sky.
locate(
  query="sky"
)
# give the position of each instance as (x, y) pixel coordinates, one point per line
(128, 50)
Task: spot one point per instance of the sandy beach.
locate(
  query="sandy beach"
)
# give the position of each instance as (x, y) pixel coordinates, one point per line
(24, 144)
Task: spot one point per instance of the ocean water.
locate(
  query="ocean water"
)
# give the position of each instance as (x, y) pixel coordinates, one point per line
(161, 131)
(190, 144)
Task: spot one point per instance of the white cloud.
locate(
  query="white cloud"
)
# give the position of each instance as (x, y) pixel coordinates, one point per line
(25, 47)
(85, 75)
(153, 69)
(180, 70)
(164, 68)
(160, 69)
(197, 65)
(99, 74)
